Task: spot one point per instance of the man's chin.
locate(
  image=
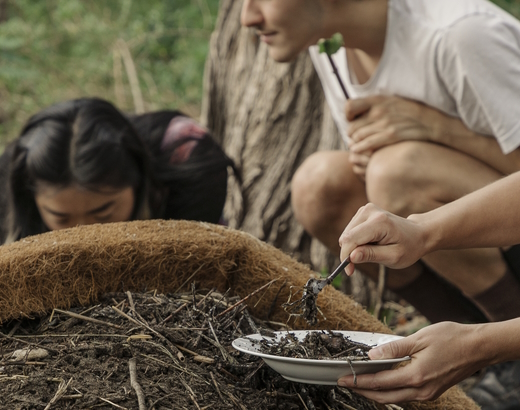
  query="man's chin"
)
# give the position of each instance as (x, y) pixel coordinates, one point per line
(282, 57)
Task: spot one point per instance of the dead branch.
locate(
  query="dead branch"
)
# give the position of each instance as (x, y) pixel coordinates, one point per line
(247, 297)
(86, 318)
(132, 364)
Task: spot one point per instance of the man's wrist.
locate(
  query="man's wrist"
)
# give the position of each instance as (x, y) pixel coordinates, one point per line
(427, 239)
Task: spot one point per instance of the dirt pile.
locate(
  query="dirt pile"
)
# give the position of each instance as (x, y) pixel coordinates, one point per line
(152, 351)
(76, 267)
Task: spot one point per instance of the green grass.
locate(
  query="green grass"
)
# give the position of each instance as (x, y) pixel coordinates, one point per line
(54, 50)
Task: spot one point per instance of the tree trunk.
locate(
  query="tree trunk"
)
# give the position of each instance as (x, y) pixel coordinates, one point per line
(268, 117)
(3, 10)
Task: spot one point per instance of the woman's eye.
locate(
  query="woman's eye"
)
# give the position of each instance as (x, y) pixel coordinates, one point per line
(104, 217)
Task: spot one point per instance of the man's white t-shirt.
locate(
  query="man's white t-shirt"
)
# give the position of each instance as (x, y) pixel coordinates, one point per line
(459, 56)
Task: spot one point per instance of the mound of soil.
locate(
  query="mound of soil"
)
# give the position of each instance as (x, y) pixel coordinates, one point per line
(318, 345)
(150, 351)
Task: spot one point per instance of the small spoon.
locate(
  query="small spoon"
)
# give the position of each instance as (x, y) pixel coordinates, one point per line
(314, 286)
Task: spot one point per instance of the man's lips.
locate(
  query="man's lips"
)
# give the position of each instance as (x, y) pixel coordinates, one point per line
(266, 36)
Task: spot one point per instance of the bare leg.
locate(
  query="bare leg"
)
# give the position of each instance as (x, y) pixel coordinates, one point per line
(415, 177)
(326, 194)
(405, 178)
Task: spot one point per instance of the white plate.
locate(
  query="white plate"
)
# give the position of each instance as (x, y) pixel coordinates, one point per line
(314, 371)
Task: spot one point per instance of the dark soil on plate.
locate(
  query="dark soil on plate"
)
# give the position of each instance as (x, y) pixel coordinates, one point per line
(319, 345)
(149, 351)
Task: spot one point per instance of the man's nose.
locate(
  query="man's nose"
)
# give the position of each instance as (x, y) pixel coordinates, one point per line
(251, 15)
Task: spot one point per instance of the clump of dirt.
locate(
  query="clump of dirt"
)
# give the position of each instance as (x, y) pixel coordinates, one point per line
(150, 351)
(327, 345)
(306, 307)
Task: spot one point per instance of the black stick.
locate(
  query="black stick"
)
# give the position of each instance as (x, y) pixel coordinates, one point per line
(334, 68)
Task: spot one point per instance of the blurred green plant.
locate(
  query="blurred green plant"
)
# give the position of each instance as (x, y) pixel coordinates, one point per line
(139, 55)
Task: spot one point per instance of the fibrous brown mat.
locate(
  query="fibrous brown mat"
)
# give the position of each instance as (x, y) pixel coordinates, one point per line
(76, 266)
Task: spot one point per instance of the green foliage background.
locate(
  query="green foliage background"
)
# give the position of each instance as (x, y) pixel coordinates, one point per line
(52, 50)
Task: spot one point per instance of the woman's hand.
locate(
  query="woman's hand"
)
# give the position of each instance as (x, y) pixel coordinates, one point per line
(374, 235)
(378, 121)
(441, 356)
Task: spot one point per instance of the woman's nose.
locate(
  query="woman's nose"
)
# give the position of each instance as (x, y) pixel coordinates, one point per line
(251, 15)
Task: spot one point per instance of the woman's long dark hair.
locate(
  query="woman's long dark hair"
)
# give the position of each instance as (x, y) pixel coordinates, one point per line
(87, 142)
(196, 188)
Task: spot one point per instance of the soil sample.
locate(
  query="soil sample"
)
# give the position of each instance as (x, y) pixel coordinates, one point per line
(327, 345)
(152, 351)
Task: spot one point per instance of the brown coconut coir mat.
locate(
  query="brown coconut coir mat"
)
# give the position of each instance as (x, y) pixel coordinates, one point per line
(76, 267)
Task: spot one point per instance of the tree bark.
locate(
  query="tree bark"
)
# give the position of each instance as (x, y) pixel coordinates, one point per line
(268, 117)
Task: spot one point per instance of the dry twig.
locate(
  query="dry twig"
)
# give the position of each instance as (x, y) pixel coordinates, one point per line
(246, 298)
(88, 319)
(62, 388)
(132, 364)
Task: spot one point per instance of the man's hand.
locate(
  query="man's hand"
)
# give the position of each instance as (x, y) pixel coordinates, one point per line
(359, 161)
(378, 121)
(374, 235)
(442, 355)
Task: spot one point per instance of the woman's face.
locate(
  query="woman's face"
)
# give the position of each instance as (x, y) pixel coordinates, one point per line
(71, 206)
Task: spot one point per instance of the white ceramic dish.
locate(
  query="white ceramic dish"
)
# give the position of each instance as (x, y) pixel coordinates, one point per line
(315, 371)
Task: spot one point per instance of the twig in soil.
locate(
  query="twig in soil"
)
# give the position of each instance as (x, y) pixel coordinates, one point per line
(62, 388)
(19, 339)
(132, 364)
(196, 356)
(199, 304)
(154, 359)
(216, 386)
(229, 309)
(227, 358)
(160, 399)
(86, 318)
(167, 319)
(250, 375)
(139, 337)
(303, 402)
(180, 356)
(72, 396)
(23, 363)
(235, 401)
(130, 300)
(190, 392)
(175, 364)
(112, 404)
(204, 359)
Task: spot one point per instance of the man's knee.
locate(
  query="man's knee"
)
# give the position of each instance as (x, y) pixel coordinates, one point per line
(318, 192)
(393, 181)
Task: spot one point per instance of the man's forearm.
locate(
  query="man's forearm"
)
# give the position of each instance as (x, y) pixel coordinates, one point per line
(498, 342)
(488, 217)
(453, 133)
